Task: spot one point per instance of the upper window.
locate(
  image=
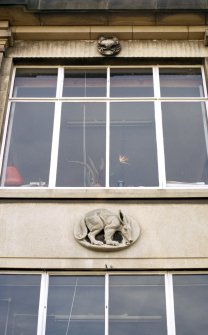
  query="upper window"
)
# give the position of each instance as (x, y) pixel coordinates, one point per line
(107, 127)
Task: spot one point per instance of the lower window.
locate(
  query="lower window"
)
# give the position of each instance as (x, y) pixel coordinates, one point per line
(103, 304)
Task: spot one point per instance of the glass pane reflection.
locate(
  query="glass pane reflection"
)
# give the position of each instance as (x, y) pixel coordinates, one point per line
(191, 304)
(81, 159)
(131, 83)
(19, 302)
(28, 150)
(35, 83)
(75, 306)
(85, 83)
(133, 156)
(185, 143)
(137, 305)
(178, 82)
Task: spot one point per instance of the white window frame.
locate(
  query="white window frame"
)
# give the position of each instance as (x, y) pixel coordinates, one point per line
(168, 288)
(58, 100)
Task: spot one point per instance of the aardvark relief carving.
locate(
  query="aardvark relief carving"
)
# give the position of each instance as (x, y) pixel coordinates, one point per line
(102, 229)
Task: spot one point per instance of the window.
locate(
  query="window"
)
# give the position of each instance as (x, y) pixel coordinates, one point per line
(103, 304)
(107, 127)
(19, 303)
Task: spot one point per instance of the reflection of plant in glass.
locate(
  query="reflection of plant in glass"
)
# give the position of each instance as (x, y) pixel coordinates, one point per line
(94, 175)
(119, 169)
(123, 159)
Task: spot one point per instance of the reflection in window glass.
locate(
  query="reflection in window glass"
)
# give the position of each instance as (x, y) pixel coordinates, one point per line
(137, 305)
(28, 150)
(179, 82)
(81, 160)
(191, 304)
(133, 153)
(185, 142)
(85, 83)
(131, 83)
(19, 302)
(75, 306)
(35, 83)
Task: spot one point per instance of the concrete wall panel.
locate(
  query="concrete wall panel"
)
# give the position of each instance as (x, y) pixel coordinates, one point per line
(174, 235)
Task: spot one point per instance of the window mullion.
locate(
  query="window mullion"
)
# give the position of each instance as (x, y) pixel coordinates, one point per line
(42, 313)
(159, 129)
(6, 141)
(55, 145)
(160, 144)
(106, 304)
(107, 172)
(170, 304)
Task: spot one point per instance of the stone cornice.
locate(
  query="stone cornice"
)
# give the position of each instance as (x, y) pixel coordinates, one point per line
(20, 16)
(66, 5)
(5, 36)
(49, 33)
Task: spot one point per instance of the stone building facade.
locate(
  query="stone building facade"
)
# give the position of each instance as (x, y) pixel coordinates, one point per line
(104, 167)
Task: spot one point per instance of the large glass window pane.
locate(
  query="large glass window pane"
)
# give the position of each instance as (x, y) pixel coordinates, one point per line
(191, 304)
(179, 82)
(35, 83)
(185, 143)
(84, 83)
(75, 306)
(28, 149)
(131, 83)
(137, 305)
(133, 152)
(81, 159)
(19, 302)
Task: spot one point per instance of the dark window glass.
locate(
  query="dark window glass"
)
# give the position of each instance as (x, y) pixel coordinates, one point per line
(76, 306)
(191, 304)
(35, 83)
(181, 82)
(133, 153)
(81, 159)
(28, 149)
(19, 303)
(85, 83)
(137, 305)
(131, 83)
(185, 143)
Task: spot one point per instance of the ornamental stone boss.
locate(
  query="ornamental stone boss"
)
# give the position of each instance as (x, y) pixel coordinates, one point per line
(109, 46)
(103, 229)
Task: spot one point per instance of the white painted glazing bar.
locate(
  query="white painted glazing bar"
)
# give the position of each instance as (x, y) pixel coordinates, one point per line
(107, 164)
(7, 141)
(160, 144)
(60, 81)
(108, 82)
(55, 145)
(159, 129)
(12, 83)
(107, 172)
(42, 313)
(106, 304)
(170, 305)
(156, 82)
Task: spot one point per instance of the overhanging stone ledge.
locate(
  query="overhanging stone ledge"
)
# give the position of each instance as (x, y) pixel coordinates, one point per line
(110, 193)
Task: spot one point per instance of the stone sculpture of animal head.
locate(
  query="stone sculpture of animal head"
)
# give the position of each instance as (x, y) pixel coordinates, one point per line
(109, 46)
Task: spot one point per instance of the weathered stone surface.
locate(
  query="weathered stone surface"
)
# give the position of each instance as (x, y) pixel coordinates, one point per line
(88, 49)
(174, 234)
(110, 4)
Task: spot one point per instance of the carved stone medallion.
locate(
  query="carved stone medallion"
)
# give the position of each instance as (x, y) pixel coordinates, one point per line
(102, 229)
(109, 46)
